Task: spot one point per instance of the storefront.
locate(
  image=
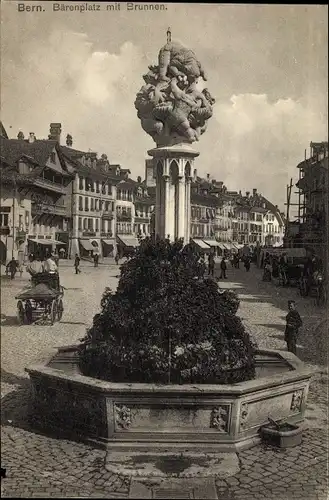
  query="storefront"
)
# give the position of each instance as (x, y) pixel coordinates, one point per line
(200, 245)
(126, 245)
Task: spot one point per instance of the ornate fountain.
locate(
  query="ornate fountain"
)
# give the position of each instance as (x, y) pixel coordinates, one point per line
(148, 416)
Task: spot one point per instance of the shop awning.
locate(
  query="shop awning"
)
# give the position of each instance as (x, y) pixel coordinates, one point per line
(211, 243)
(128, 241)
(221, 246)
(110, 243)
(48, 242)
(87, 245)
(201, 244)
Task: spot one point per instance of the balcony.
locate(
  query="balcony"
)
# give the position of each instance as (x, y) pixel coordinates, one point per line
(107, 214)
(50, 185)
(43, 208)
(142, 218)
(123, 217)
(89, 234)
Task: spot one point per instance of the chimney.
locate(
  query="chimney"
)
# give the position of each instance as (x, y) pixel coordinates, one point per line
(31, 137)
(240, 193)
(69, 141)
(55, 132)
(208, 177)
(20, 136)
(247, 194)
(254, 192)
(195, 175)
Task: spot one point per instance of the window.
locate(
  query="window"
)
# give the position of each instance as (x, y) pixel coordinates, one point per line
(20, 223)
(109, 189)
(96, 225)
(80, 223)
(53, 157)
(92, 204)
(4, 219)
(80, 203)
(97, 186)
(81, 186)
(90, 224)
(86, 204)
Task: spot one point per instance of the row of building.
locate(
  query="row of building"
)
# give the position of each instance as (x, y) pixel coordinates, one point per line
(310, 230)
(54, 196)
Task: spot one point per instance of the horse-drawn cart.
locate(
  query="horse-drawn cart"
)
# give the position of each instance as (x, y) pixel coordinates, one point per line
(42, 302)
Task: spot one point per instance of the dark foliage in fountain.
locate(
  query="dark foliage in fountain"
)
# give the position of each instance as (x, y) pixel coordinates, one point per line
(164, 319)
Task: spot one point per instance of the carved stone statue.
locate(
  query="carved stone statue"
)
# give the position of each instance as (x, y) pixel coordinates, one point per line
(170, 106)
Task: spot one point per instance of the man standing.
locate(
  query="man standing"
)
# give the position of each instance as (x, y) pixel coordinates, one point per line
(96, 257)
(12, 268)
(77, 264)
(223, 268)
(293, 323)
(211, 264)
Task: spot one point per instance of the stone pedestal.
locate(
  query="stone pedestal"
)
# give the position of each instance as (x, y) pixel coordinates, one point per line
(173, 172)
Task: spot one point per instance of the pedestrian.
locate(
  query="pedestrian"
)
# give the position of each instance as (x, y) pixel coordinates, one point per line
(77, 264)
(293, 323)
(223, 268)
(211, 264)
(96, 257)
(202, 267)
(117, 258)
(12, 268)
(247, 264)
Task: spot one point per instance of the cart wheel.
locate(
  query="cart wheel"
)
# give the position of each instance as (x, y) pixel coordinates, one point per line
(60, 309)
(53, 312)
(20, 313)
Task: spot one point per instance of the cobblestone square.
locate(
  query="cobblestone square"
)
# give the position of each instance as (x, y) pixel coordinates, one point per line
(40, 465)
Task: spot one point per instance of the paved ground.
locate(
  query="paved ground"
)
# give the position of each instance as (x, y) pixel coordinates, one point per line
(39, 465)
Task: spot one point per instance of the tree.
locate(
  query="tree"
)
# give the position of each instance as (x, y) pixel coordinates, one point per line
(167, 324)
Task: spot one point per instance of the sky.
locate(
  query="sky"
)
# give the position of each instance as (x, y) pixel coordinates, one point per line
(267, 67)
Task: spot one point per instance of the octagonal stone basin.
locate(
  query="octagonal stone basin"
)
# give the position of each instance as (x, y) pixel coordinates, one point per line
(181, 417)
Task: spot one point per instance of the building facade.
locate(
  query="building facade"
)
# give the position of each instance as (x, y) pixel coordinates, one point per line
(93, 204)
(313, 210)
(39, 184)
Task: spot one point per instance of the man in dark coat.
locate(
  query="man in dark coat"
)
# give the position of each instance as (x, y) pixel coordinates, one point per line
(211, 264)
(293, 323)
(223, 268)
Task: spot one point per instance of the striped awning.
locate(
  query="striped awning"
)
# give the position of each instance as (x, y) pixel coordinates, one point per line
(211, 243)
(128, 241)
(47, 242)
(87, 245)
(201, 244)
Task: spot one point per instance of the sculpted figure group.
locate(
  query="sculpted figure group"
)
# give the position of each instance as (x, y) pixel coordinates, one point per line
(169, 105)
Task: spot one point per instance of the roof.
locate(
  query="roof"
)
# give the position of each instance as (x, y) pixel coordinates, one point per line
(39, 150)
(74, 155)
(3, 132)
(207, 200)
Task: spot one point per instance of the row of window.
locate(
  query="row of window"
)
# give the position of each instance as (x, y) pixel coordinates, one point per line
(203, 230)
(95, 204)
(87, 224)
(124, 195)
(124, 228)
(102, 187)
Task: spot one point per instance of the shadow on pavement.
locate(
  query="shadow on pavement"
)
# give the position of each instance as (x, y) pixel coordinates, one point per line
(16, 413)
(9, 320)
(280, 327)
(72, 323)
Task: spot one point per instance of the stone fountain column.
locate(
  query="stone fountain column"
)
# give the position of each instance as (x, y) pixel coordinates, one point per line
(174, 112)
(173, 166)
